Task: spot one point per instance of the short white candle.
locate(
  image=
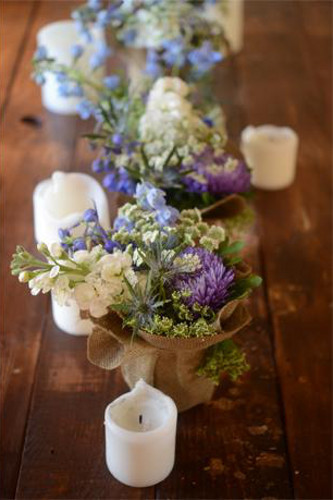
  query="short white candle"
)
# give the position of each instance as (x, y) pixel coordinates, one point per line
(140, 432)
(68, 319)
(58, 38)
(60, 201)
(272, 154)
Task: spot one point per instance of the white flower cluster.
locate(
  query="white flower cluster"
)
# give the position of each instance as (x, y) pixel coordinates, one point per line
(171, 120)
(95, 279)
(106, 282)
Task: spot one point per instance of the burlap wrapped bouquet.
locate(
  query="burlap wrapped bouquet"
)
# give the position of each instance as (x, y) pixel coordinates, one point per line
(170, 364)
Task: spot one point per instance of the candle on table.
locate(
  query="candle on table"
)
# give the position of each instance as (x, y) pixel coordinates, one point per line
(58, 204)
(230, 15)
(60, 201)
(272, 154)
(58, 38)
(140, 433)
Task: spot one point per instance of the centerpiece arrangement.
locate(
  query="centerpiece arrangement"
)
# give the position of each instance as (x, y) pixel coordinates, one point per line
(165, 290)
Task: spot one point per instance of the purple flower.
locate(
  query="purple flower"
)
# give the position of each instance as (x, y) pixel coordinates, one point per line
(223, 181)
(174, 52)
(167, 216)
(85, 109)
(224, 173)
(122, 222)
(194, 185)
(79, 244)
(90, 215)
(210, 284)
(119, 181)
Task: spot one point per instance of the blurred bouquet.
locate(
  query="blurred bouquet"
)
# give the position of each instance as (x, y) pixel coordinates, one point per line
(177, 36)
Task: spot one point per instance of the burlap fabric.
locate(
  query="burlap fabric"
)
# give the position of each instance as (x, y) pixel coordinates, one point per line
(170, 364)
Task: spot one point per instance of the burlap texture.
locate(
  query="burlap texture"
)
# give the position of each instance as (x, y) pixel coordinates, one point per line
(170, 364)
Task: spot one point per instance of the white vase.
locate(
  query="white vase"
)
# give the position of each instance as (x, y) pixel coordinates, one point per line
(230, 15)
(58, 38)
(68, 319)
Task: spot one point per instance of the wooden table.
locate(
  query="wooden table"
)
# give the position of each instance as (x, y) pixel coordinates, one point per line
(266, 436)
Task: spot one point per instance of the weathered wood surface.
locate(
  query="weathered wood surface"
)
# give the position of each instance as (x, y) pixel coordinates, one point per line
(266, 436)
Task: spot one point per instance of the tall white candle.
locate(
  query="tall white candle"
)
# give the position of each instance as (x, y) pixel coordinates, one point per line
(59, 203)
(140, 432)
(272, 154)
(58, 38)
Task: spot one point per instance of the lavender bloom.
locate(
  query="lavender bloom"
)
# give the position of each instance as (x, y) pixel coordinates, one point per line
(194, 185)
(118, 180)
(210, 284)
(224, 173)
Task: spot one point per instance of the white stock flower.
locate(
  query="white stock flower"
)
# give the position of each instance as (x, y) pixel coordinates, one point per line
(56, 250)
(84, 294)
(54, 271)
(61, 290)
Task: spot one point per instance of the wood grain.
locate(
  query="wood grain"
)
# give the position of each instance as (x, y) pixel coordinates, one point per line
(15, 23)
(30, 154)
(294, 225)
(266, 436)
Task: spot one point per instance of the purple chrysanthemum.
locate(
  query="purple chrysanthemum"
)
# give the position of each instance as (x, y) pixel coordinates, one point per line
(224, 173)
(210, 284)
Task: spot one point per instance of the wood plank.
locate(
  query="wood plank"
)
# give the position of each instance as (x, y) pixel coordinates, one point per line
(14, 30)
(283, 89)
(30, 154)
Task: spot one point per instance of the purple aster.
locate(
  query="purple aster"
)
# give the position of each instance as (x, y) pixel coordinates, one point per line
(210, 284)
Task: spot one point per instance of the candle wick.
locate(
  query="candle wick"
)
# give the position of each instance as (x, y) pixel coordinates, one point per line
(140, 419)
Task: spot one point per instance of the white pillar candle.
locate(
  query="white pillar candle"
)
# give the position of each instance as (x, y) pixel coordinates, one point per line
(58, 204)
(140, 432)
(58, 38)
(68, 319)
(272, 154)
(230, 15)
(60, 201)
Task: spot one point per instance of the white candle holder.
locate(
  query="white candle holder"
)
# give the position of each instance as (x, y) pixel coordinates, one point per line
(58, 38)
(60, 201)
(272, 154)
(140, 433)
(68, 319)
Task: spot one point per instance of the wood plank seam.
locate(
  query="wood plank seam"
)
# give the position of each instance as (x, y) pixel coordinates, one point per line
(19, 57)
(279, 392)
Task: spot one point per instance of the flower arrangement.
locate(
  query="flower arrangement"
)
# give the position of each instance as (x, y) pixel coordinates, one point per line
(174, 146)
(174, 281)
(178, 37)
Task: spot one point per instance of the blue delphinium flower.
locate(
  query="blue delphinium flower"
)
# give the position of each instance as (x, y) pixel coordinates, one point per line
(118, 180)
(204, 58)
(100, 56)
(97, 166)
(39, 78)
(85, 109)
(111, 82)
(153, 64)
(174, 52)
(94, 4)
(40, 54)
(90, 215)
(122, 222)
(77, 51)
(153, 199)
(210, 284)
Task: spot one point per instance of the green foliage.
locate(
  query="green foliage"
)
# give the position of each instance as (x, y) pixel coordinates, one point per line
(223, 357)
